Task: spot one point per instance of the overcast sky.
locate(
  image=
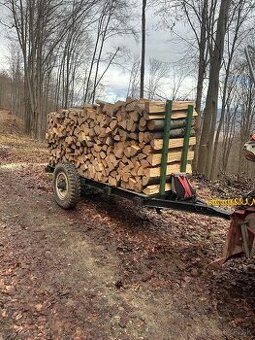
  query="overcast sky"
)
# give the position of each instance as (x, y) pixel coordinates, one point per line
(160, 44)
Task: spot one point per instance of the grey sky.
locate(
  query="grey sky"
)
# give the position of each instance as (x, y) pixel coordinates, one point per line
(160, 44)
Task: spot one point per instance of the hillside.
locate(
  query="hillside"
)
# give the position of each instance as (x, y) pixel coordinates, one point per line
(109, 270)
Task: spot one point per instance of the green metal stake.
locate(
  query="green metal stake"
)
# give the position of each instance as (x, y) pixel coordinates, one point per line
(186, 139)
(164, 157)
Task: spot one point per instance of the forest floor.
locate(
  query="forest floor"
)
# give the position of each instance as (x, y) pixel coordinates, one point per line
(109, 270)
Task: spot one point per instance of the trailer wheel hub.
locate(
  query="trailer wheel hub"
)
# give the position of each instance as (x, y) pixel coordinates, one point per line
(62, 186)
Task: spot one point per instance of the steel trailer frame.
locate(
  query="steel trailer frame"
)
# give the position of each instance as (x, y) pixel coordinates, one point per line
(157, 202)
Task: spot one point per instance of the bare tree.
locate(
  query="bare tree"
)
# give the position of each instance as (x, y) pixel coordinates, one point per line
(178, 75)
(133, 86)
(142, 71)
(115, 18)
(239, 15)
(40, 27)
(17, 77)
(229, 133)
(5, 90)
(247, 115)
(200, 17)
(157, 71)
(210, 112)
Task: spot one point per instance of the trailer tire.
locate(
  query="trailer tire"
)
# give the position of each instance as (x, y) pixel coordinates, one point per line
(66, 185)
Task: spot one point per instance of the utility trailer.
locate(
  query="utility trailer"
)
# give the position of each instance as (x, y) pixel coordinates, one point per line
(68, 187)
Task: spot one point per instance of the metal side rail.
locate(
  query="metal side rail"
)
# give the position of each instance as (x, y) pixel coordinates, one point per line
(198, 207)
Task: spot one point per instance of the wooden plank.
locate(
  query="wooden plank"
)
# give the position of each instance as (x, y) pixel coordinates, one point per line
(157, 144)
(156, 107)
(171, 168)
(175, 115)
(154, 189)
(174, 155)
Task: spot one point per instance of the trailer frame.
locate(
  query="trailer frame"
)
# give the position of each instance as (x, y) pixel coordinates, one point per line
(157, 202)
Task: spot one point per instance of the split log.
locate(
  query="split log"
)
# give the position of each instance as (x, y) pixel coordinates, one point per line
(174, 155)
(171, 168)
(154, 189)
(157, 144)
(157, 107)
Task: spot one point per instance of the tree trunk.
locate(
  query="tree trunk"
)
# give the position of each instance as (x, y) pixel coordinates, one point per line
(201, 76)
(100, 55)
(210, 112)
(93, 57)
(212, 173)
(143, 49)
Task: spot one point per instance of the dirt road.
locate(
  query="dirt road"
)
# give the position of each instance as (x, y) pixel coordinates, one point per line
(108, 270)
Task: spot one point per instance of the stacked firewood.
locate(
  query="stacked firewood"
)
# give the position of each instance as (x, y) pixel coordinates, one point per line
(120, 144)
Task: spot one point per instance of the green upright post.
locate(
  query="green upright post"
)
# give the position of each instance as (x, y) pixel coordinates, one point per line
(166, 136)
(186, 139)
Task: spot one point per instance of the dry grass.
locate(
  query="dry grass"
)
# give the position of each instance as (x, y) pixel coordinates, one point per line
(20, 147)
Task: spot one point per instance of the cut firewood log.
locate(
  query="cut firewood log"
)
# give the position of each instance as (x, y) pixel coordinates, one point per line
(157, 144)
(113, 124)
(176, 133)
(174, 155)
(112, 181)
(134, 115)
(154, 189)
(156, 107)
(174, 115)
(171, 168)
(147, 150)
(158, 124)
(134, 150)
(119, 149)
(123, 135)
(133, 136)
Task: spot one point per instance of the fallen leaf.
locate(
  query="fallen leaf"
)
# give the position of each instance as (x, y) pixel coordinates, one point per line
(18, 316)
(38, 307)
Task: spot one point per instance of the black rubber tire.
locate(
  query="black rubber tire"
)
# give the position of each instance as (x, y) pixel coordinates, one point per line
(74, 185)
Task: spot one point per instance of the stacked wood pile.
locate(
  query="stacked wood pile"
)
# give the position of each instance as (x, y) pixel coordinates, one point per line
(120, 144)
